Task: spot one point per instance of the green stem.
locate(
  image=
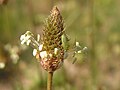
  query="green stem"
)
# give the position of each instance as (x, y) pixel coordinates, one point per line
(49, 80)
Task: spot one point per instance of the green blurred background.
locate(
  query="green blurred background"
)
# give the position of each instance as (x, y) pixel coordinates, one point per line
(94, 23)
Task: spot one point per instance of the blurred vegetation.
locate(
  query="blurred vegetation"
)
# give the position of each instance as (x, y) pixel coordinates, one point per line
(94, 23)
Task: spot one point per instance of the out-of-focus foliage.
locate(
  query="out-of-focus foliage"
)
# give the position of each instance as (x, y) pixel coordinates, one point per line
(94, 23)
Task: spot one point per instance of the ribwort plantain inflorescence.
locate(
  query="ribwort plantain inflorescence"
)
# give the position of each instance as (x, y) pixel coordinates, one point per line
(54, 46)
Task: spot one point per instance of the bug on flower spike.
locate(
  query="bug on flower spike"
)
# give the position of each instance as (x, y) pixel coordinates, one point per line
(65, 41)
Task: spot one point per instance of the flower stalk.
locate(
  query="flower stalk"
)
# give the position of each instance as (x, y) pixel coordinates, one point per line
(49, 80)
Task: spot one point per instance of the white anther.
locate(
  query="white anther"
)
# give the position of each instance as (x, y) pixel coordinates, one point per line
(27, 37)
(28, 42)
(2, 65)
(38, 37)
(40, 47)
(85, 48)
(23, 41)
(43, 54)
(55, 51)
(79, 51)
(34, 52)
(77, 44)
(22, 37)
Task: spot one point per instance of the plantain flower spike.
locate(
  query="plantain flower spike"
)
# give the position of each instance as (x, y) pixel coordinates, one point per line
(52, 54)
(50, 51)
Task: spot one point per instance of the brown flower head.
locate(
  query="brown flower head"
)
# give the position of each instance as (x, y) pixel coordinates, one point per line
(52, 43)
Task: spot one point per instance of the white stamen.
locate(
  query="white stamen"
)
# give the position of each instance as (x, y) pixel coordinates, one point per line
(85, 48)
(27, 37)
(28, 42)
(22, 37)
(79, 51)
(38, 37)
(23, 41)
(55, 51)
(34, 52)
(2, 65)
(43, 54)
(77, 44)
(40, 47)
